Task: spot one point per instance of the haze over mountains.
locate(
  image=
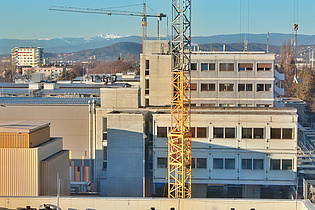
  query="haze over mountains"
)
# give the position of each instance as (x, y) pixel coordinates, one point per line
(66, 45)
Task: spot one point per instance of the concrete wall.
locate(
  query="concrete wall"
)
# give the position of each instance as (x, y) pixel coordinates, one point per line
(125, 143)
(120, 98)
(158, 204)
(68, 121)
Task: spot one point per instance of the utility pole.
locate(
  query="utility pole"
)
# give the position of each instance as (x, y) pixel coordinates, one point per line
(179, 142)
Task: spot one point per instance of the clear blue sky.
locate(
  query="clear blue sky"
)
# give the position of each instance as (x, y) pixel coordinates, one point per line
(31, 19)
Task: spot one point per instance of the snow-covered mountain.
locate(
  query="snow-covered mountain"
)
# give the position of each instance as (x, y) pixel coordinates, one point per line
(65, 45)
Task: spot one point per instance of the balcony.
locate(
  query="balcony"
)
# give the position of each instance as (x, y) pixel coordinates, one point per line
(278, 91)
(279, 76)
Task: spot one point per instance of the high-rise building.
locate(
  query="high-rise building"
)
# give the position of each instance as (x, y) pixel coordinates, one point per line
(27, 56)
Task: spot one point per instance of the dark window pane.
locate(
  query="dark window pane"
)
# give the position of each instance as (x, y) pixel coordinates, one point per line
(204, 67)
(230, 87)
(104, 166)
(276, 133)
(247, 133)
(104, 124)
(193, 66)
(258, 133)
(246, 163)
(105, 153)
(193, 163)
(241, 87)
(204, 87)
(274, 164)
(249, 87)
(193, 132)
(211, 87)
(201, 163)
(229, 163)
(286, 164)
(229, 132)
(104, 136)
(217, 163)
(147, 64)
(217, 132)
(226, 66)
(161, 132)
(260, 87)
(211, 66)
(161, 162)
(287, 133)
(258, 164)
(267, 87)
(202, 132)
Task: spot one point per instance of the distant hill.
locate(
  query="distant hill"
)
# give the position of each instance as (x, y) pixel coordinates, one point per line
(67, 45)
(133, 50)
(112, 52)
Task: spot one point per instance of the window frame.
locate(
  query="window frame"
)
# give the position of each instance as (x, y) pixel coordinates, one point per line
(224, 87)
(226, 67)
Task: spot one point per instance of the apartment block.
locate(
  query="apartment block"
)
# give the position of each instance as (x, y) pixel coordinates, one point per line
(27, 56)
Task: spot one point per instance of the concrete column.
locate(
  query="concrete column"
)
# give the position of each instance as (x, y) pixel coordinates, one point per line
(251, 191)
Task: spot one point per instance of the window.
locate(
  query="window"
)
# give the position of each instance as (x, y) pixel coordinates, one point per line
(193, 66)
(263, 87)
(201, 162)
(162, 132)
(193, 163)
(274, 164)
(207, 66)
(226, 66)
(193, 132)
(229, 163)
(281, 164)
(147, 84)
(104, 128)
(207, 87)
(245, 87)
(223, 132)
(221, 163)
(193, 86)
(104, 158)
(161, 162)
(264, 66)
(286, 164)
(217, 163)
(252, 133)
(201, 132)
(147, 64)
(226, 87)
(258, 164)
(246, 163)
(281, 133)
(245, 67)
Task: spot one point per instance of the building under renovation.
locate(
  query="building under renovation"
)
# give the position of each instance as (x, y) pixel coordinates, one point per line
(241, 144)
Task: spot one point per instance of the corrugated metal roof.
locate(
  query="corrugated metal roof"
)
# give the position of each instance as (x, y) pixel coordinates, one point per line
(14, 91)
(47, 101)
(13, 85)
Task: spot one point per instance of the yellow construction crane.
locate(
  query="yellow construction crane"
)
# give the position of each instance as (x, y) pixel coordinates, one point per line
(179, 140)
(142, 14)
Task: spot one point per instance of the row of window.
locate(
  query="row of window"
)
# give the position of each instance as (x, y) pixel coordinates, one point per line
(230, 66)
(230, 132)
(230, 87)
(229, 163)
(230, 105)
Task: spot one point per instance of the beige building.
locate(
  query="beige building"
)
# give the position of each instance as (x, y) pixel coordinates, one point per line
(27, 56)
(30, 160)
(225, 79)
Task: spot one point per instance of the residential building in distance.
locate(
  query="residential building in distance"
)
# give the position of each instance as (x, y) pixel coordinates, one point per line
(51, 73)
(27, 56)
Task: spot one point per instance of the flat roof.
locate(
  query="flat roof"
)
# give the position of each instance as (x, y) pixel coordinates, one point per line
(46, 101)
(23, 126)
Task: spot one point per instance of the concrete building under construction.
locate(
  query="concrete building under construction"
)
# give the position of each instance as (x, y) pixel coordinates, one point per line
(241, 143)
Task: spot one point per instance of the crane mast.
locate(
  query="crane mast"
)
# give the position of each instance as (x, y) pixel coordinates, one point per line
(179, 142)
